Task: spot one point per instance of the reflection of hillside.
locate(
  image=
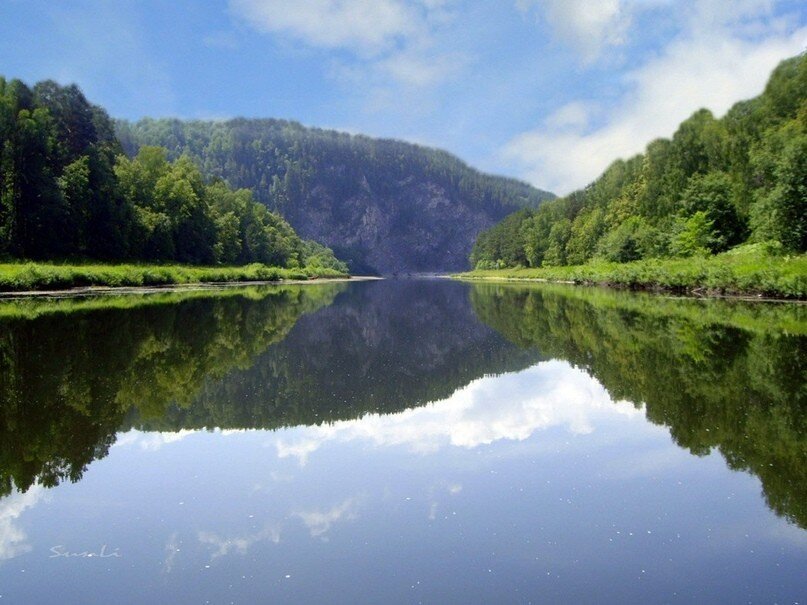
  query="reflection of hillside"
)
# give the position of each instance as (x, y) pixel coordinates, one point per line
(719, 374)
(72, 375)
(382, 347)
(69, 375)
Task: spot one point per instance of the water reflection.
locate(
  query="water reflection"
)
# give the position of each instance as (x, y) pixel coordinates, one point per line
(71, 371)
(399, 441)
(719, 374)
(73, 374)
(510, 406)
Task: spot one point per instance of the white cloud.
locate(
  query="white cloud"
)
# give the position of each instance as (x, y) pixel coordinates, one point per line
(367, 26)
(512, 406)
(151, 441)
(13, 539)
(418, 69)
(718, 59)
(389, 42)
(589, 26)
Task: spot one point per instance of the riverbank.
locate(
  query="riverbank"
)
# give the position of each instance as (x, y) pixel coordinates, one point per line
(17, 278)
(744, 272)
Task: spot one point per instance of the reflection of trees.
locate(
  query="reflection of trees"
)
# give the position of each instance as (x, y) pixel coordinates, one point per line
(72, 374)
(382, 348)
(725, 375)
(68, 376)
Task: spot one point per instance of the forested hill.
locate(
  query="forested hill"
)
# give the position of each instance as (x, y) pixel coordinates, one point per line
(68, 192)
(385, 206)
(716, 184)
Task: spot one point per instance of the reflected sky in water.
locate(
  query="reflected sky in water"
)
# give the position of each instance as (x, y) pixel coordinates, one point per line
(528, 482)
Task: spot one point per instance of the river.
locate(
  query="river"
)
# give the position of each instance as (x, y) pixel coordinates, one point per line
(402, 441)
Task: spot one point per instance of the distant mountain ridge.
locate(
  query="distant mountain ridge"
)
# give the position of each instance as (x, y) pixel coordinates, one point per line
(385, 206)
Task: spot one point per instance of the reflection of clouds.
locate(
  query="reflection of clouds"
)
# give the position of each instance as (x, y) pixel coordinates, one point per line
(225, 546)
(153, 441)
(150, 441)
(511, 406)
(13, 540)
(171, 550)
(318, 523)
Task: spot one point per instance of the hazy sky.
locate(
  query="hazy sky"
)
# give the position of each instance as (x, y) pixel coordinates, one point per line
(546, 90)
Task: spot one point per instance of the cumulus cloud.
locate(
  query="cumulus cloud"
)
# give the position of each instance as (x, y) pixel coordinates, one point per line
(716, 60)
(368, 26)
(151, 441)
(589, 26)
(513, 406)
(388, 42)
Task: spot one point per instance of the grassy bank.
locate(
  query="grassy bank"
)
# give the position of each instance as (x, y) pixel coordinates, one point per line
(748, 270)
(18, 277)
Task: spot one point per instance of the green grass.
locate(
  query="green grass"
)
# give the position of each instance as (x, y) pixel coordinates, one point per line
(18, 277)
(746, 270)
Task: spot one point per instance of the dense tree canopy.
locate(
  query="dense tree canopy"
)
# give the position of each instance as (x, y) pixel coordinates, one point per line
(717, 183)
(385, 205)
(282, 161)
(67, 190)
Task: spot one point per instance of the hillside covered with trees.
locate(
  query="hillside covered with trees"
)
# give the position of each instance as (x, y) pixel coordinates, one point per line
(716, 184)
(384, 205)
(67, 191)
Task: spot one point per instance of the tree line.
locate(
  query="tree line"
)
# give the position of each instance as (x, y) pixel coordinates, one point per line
(67, 191)
(716, 184)
(282, 162)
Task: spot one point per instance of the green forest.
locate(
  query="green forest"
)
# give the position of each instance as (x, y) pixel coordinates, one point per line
(67, 191)
(283, 161)
(382, 205)
(717, 184)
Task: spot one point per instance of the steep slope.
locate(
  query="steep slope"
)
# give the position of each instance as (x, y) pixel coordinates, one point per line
(383, 205)
(716, 184)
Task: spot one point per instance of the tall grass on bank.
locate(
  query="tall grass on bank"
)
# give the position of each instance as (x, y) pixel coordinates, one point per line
(746, 270)
(18, 277)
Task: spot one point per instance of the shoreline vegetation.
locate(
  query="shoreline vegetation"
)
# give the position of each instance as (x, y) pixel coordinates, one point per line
(745, 271)
(18, 277)
(720, 208)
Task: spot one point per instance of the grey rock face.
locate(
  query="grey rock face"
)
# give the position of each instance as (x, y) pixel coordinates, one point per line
(418, 228)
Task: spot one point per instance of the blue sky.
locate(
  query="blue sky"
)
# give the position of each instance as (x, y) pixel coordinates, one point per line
(550, 91)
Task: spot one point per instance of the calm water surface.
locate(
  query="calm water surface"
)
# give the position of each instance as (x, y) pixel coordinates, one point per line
(403, 442)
